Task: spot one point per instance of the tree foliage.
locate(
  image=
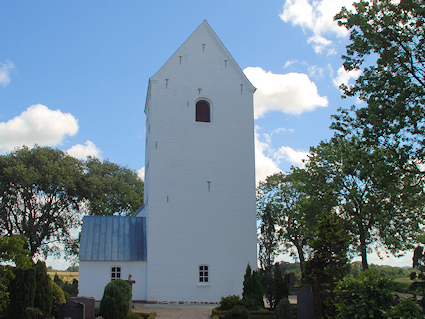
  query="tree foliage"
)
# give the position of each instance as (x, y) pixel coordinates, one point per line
(39, 196)
(21, 292)
(43, 297)
(387, 44)
(368, 296)
(329, 263)
(44, 191)
(11, 252)
(111, 189)
(381, 206)
(290, 208)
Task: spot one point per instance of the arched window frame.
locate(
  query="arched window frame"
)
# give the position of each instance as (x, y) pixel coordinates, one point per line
(199, 117)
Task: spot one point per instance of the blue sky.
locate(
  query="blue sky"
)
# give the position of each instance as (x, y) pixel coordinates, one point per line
(74, 74)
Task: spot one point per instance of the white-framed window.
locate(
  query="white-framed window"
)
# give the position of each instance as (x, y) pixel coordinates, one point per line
(204, 274)
(115, 272)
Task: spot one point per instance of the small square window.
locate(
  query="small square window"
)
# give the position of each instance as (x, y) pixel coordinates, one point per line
(115, 273)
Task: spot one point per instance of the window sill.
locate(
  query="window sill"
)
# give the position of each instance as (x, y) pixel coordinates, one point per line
(204, 285)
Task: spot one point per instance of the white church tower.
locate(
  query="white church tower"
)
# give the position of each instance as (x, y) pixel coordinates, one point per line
(199, 174)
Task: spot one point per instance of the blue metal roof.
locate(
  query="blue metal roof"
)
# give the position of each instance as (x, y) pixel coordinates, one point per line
(113, 238)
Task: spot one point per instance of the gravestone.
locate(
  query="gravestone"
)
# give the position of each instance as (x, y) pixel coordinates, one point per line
(71, 310)
(89, 305)
(305, 304)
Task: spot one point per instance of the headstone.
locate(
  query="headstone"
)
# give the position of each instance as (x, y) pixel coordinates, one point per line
(89, 305)
(305, 303)
(71, 310)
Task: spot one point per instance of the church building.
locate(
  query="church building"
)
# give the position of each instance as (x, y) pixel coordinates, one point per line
(196, 233)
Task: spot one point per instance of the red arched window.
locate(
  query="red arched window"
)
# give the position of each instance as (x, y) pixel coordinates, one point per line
(203, 111)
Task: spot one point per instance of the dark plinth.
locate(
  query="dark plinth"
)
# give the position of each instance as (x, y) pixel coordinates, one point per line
(71, 310)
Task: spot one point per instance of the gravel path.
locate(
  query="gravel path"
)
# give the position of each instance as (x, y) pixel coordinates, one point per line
(176, 311)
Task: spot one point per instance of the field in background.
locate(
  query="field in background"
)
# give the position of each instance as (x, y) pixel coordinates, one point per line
(64, 275)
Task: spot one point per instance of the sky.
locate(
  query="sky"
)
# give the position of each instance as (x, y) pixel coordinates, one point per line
(74, 74)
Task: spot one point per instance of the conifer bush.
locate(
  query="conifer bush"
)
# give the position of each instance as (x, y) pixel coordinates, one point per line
(252, 295)
(116, 299)
(21, 292)
(43, 298)
(58, 298)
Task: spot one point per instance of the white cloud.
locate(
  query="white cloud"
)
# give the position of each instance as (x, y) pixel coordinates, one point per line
(264, 165)
(268, 159)
(37, 125)
(288, 154)
(82, 151)
(316, 16)
(344, 77)
(141, 173)
(5, 69)
(292, 93)
(320, 44)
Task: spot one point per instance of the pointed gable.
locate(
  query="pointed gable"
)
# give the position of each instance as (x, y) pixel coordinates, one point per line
(215, 55)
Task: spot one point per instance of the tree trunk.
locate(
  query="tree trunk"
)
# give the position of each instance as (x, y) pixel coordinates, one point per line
(363, 248)
(301, 257)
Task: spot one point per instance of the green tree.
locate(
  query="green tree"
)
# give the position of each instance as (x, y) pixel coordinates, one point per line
(43, 192)
(329, 263)
(22, 292)
(381, 206)
(43, 294)
(290, 209)
(111, 189)
(39, 197)
(11, 252)
(268, 248)
(387, 44)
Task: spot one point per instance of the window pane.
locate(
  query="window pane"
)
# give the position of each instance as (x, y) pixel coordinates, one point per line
(202, 111)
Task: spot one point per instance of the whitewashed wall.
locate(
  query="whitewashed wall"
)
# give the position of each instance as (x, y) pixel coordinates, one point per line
(190, 224)
(95, 275)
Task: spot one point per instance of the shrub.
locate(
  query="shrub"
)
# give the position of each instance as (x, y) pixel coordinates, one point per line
(283, 309)
(33, 313)
(151, 316)
(58, 298)
(229, 302)
(237, 312)
(115, 300)
(43, 293)
(21, 292)
(407, 309)
(368, 296)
